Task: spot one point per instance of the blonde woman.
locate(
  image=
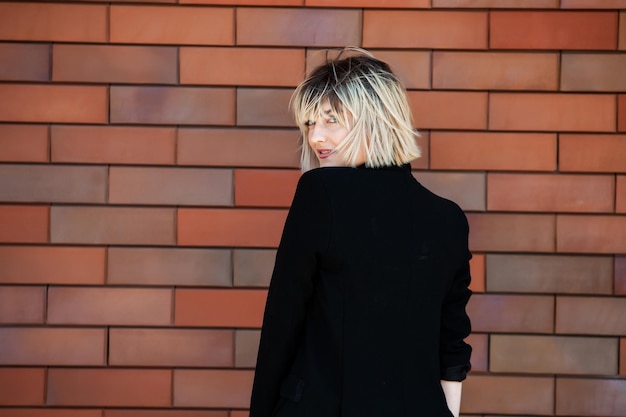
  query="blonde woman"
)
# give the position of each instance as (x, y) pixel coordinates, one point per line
(365, 314)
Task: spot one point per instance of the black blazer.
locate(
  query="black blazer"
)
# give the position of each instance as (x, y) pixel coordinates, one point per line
(366, 308)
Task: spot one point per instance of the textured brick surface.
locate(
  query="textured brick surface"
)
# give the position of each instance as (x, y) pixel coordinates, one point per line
(368, 3)
(620, 275)
(592, 153)
(591, 234)
(480, 351)
(449, 109)
(219, 308)
(22, 304)
(246, 348)
(621, 112)
(590, 315)
(620, 192)
(165, 413)
(591, 4)
(466, 189)
(622, 31)
(593, 72)
(586, 397)
(228, 388)
(23, 143)
(24, 62)
(264, 107)
(515, 4)
(24, 224)
(22, 386)
(48, 412)
(523, 314)
(253, 267)
(265, 188)
(512, 232)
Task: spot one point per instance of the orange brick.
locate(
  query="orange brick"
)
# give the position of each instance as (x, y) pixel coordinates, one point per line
(622, 356)
(553, 354)
(239, 414)
(622, 30)
(114, 64)
(449, 109)
(480, 351)
(592, 153)
(424, 29)
(465, 189)
(112, 225)
(162, 413)
(389, 4)
(265, 188)
(495, 4)
(494, 232)
(592, 4)
(169, 266)
(23, 143)
(298, 27)
(171, 347)
(226, 388)
(109, 306)
(172, 25)
(48, 412)
(113, 145)
(246, 348)
(52, 346)
(223, 227)
(22, 386)
(109, 387)
(518, 395)
(553, 30)
(24, 62)
(171, 186)
(591, 234)
(621, 111)
(244, 2)
(53, 103)
(173, 105)
(423, 141)
(51, 265)
(253, 267)
(53, 22)
(238, 147)
(620, 275)
(551, 193)
(591, 315)
(264, 107)
(549, 274)
(585, 397)
(24, 224)
(552, 112)
(515, 313)
(219, 308)
(493, 151)
(22, 304)
(241, 66)
(620, 193)
(593, 72)
(477, 270)
(495, 71)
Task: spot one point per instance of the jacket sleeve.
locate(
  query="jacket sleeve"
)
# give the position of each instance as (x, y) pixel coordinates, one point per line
(454, 352)
(290, 289)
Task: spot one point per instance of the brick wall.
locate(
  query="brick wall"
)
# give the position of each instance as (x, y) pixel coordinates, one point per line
(147, 162)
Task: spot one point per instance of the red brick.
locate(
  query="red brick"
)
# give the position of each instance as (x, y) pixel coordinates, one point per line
(219, 308)
(620, 276)
(622, 31)
(515, 313)
(495, 4)
(553, 354)
(224, 227)
(22, 386)
(493, 151)
(24, 62)
(51, 265)
(23, 143)
(298, 27)
(112, 225)
(246, 348)
(265, 188)
(172, 25)
(53, 103)
(621, 111)
(549, 274)
(590, 397)
(495, 71)
(22, 304)
(114, 64)
(253, 267)
(591, 234)
(163, 413)
(466, 189)
(241, 66)
(477, 270)
(592, 153)
(423, 141)
(238, 147)
(173, 105)
(109, 387)
(553, 30)
(550, 193)
(264, 107)
(109, 306)
(245, 2)
(169, 266)
(593, 72)
(24, 224)
(591, 315)
(171, 186)
(53, 22)
(171, 347)
(52, 346)
(424, 29)
(552, 112)
(227, 388)
(519, 395)
(389, 4)
(113, 145)
(593, 4)
(480, 351)
(622, 356)
(239, 414)
(48, 412)
(494, 232)
(449, 109)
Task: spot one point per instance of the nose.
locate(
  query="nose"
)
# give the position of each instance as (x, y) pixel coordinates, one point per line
(316, 134)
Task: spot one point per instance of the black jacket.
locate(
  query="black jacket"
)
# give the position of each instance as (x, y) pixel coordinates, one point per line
(366, 308)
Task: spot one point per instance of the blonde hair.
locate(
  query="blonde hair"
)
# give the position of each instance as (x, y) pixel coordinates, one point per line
(368, 99)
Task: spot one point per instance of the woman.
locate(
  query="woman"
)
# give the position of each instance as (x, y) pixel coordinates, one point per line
(365, 314)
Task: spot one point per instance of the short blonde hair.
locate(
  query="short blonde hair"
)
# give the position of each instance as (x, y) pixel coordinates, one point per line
(368, 99)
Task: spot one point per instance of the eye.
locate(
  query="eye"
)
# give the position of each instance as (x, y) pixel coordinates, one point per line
(309, 123)
(332, 119)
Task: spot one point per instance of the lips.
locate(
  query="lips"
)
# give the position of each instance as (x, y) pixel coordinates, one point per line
(324, 153)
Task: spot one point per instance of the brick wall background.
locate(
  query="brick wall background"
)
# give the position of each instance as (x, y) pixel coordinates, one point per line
(147, 162)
